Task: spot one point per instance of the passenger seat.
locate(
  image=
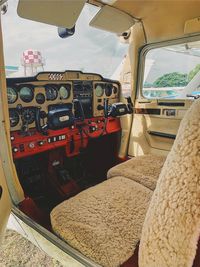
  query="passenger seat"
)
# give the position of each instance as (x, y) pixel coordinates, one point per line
(143, 169)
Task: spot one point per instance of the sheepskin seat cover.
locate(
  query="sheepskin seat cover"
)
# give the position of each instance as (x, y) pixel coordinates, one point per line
(143, 169)
(172, 225)
(104, 222)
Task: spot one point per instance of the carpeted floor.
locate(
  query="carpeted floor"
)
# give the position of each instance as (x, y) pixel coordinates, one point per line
(16, 251)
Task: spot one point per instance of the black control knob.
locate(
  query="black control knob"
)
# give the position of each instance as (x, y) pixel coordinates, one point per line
(43, 114)
(100, 107)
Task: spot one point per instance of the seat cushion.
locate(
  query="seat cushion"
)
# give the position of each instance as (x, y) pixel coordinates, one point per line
(143, 169)
(104, 222)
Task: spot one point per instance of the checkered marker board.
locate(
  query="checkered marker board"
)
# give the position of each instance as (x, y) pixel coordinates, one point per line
(32, 57)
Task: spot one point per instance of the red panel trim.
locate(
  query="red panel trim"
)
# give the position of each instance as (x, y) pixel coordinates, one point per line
(24, 146)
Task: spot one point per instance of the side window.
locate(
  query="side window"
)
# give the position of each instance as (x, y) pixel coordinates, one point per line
(172, 72)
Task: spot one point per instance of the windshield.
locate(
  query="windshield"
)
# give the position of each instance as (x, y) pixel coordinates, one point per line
(30, 47)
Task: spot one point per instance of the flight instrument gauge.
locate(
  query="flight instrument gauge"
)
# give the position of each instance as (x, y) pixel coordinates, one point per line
(28, 115)
(40, 98)
(51, 92)
(99, 90)
(11, 95)
(108, 89)
(64, 91)
(26, 94)
(115, 90)
(14, 117)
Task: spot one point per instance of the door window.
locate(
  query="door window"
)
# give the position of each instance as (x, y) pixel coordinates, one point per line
(172, 72)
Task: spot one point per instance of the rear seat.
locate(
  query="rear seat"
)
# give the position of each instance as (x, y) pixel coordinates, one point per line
(143, 169)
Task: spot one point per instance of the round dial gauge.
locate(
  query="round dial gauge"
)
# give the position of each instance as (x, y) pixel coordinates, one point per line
(40, 98)
(26, 94)
(108, 89)
(115, 90)
(28, 115)
(11, 95)
(14, 117)
(65, 91)
(51, 92)
(99, 90)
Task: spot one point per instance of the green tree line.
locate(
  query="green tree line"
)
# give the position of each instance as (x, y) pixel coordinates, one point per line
(175, 79)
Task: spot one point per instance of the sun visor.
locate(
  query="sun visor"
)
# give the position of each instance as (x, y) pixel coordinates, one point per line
(113, 20)
(61, 13)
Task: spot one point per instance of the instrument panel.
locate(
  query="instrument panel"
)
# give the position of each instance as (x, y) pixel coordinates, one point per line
(27, 94)
(58, 109)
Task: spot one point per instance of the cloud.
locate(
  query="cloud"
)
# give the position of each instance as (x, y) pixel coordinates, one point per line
(89, 49)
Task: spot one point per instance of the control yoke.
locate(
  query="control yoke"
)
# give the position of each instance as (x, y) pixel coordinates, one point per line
(38, 116)
(58, 117)
(118, 109)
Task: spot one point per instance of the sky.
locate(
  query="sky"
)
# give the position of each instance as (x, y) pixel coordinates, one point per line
(89, 49)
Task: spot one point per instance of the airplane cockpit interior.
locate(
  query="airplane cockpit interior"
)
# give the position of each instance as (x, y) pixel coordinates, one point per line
(100, 128)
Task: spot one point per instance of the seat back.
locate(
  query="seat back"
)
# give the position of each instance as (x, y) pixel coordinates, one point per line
(172, 225)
